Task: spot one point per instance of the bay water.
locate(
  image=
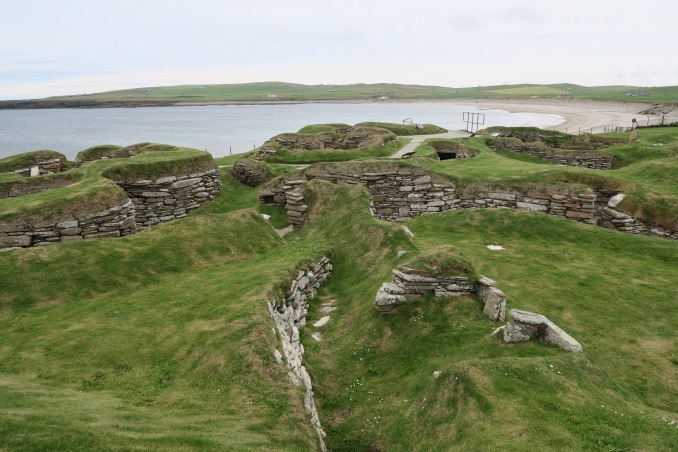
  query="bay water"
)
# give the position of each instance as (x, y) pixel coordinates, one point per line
(220, 129)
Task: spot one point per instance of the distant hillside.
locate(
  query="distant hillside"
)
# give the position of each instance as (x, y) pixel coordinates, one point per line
(275, 92)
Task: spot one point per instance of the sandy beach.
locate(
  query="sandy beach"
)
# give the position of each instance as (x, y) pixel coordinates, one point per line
(577, 115)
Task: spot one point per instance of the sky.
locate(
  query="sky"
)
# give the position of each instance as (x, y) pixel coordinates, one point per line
(50, 48)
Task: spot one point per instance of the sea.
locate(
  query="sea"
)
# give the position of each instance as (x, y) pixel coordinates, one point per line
(222, 129)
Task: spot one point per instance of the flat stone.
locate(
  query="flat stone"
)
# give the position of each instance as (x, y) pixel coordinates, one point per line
(531, 206)
(495, 247)
(15, 241)
(322, 322)
(615, 200)
(185, 183)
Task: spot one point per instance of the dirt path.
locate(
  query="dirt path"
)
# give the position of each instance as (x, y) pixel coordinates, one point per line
(418, 139)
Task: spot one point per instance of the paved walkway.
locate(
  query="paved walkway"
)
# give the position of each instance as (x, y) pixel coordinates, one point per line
(418, 139)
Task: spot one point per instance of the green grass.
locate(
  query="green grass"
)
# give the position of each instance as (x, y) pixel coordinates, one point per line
(285, 156)
(27, 159)
(291, 92)
(162, 340)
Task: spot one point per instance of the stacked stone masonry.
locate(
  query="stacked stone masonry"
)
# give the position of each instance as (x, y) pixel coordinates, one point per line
(536, 148)
(150, 203)
(289, 314)
(408, 285)
(51, 166)
(171, 197)
(115, 221)
(400, 194)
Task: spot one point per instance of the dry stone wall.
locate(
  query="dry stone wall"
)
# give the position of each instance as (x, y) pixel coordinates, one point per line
(399, 194)
(149, 203)
(51, 166)
(289, 314)
(171, 197)
(116, 221)
(409, 285)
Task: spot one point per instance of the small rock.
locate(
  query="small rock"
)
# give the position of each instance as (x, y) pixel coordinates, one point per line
(436, 374)
(407, 231)
(615, 200)
(317, 336)
(495, 247)
(265, 216)
(322, 322)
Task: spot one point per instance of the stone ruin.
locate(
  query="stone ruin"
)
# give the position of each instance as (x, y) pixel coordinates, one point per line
(250, 172)
(344, 137)
(525, 325)
(409, 285)
(289, 313)
(399, 193)
(447, 150)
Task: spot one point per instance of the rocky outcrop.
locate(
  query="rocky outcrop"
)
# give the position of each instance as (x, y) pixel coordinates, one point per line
(171, 197)
(525, 325)
(114, 221)
(409, 285)
(289, 314)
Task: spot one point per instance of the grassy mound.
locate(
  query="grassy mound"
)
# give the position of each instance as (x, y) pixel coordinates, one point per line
(101, 151)
(28, 159)
(405, 129)
(443, 261)
(94, 188)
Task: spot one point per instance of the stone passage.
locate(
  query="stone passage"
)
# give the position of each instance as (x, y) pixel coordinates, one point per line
(525, 325)
(409, 285)
(171, 197)
(289, 314)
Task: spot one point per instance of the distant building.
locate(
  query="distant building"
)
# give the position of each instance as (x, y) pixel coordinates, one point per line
(562, 96)
(272, 95)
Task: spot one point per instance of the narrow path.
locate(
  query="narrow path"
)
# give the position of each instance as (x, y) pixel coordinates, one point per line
(418, 139)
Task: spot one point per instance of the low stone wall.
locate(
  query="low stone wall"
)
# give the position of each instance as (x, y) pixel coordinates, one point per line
(399, 194)
(289, 314)
(250, 172)
(150, 203)
(409, 285)
(22, 187)
(171, 197)
(525, 325)
(592, 159)
(115, 221)
(51, 166)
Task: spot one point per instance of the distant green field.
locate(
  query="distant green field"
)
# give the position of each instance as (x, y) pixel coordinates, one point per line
(273, 92)
(530, 91)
